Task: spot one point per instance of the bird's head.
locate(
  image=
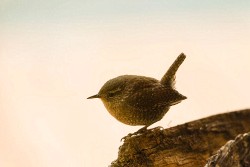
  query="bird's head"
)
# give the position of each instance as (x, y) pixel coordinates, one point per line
(111, 91)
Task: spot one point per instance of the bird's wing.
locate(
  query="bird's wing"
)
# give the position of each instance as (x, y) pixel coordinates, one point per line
(151, 97)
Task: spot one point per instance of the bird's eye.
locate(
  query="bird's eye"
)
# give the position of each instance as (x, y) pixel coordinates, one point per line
(114, 93)
(111, 94)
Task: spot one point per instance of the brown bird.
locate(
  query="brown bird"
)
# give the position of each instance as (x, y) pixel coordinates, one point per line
(139, 100)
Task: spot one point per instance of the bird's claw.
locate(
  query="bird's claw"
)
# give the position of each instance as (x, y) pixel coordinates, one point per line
(156, 128)
(140, 131)
(126, 137)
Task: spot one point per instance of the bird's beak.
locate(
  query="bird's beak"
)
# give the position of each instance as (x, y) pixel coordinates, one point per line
(95, 96)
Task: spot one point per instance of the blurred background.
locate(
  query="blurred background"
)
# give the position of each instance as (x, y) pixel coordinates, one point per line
(56, 53)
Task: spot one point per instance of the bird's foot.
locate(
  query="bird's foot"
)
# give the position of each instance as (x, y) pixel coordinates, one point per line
(156, 128)
(140, 131)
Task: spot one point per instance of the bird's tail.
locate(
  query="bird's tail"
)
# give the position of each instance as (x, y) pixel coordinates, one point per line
(169, 78)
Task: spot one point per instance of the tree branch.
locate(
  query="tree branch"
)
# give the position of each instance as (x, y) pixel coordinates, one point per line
(186, 145)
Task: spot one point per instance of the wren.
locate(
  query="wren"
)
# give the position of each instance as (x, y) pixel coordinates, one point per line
(139, 100)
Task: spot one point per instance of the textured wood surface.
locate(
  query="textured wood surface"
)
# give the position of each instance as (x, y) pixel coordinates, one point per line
(187, 145)
(235, 153)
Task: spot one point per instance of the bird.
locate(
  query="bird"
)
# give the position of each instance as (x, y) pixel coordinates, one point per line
(139, 100)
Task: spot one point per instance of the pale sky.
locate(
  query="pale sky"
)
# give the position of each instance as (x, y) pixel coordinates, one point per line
(54, 54)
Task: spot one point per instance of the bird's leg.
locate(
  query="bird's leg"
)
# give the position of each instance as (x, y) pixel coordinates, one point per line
(143, 129)
(140, 131)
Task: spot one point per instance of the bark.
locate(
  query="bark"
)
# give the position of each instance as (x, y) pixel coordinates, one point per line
(186, 145)
(234, 153)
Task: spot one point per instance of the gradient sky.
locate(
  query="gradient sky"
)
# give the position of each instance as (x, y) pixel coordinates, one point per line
(54, 54)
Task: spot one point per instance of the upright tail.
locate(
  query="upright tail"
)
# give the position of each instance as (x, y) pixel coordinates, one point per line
(169, 78)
